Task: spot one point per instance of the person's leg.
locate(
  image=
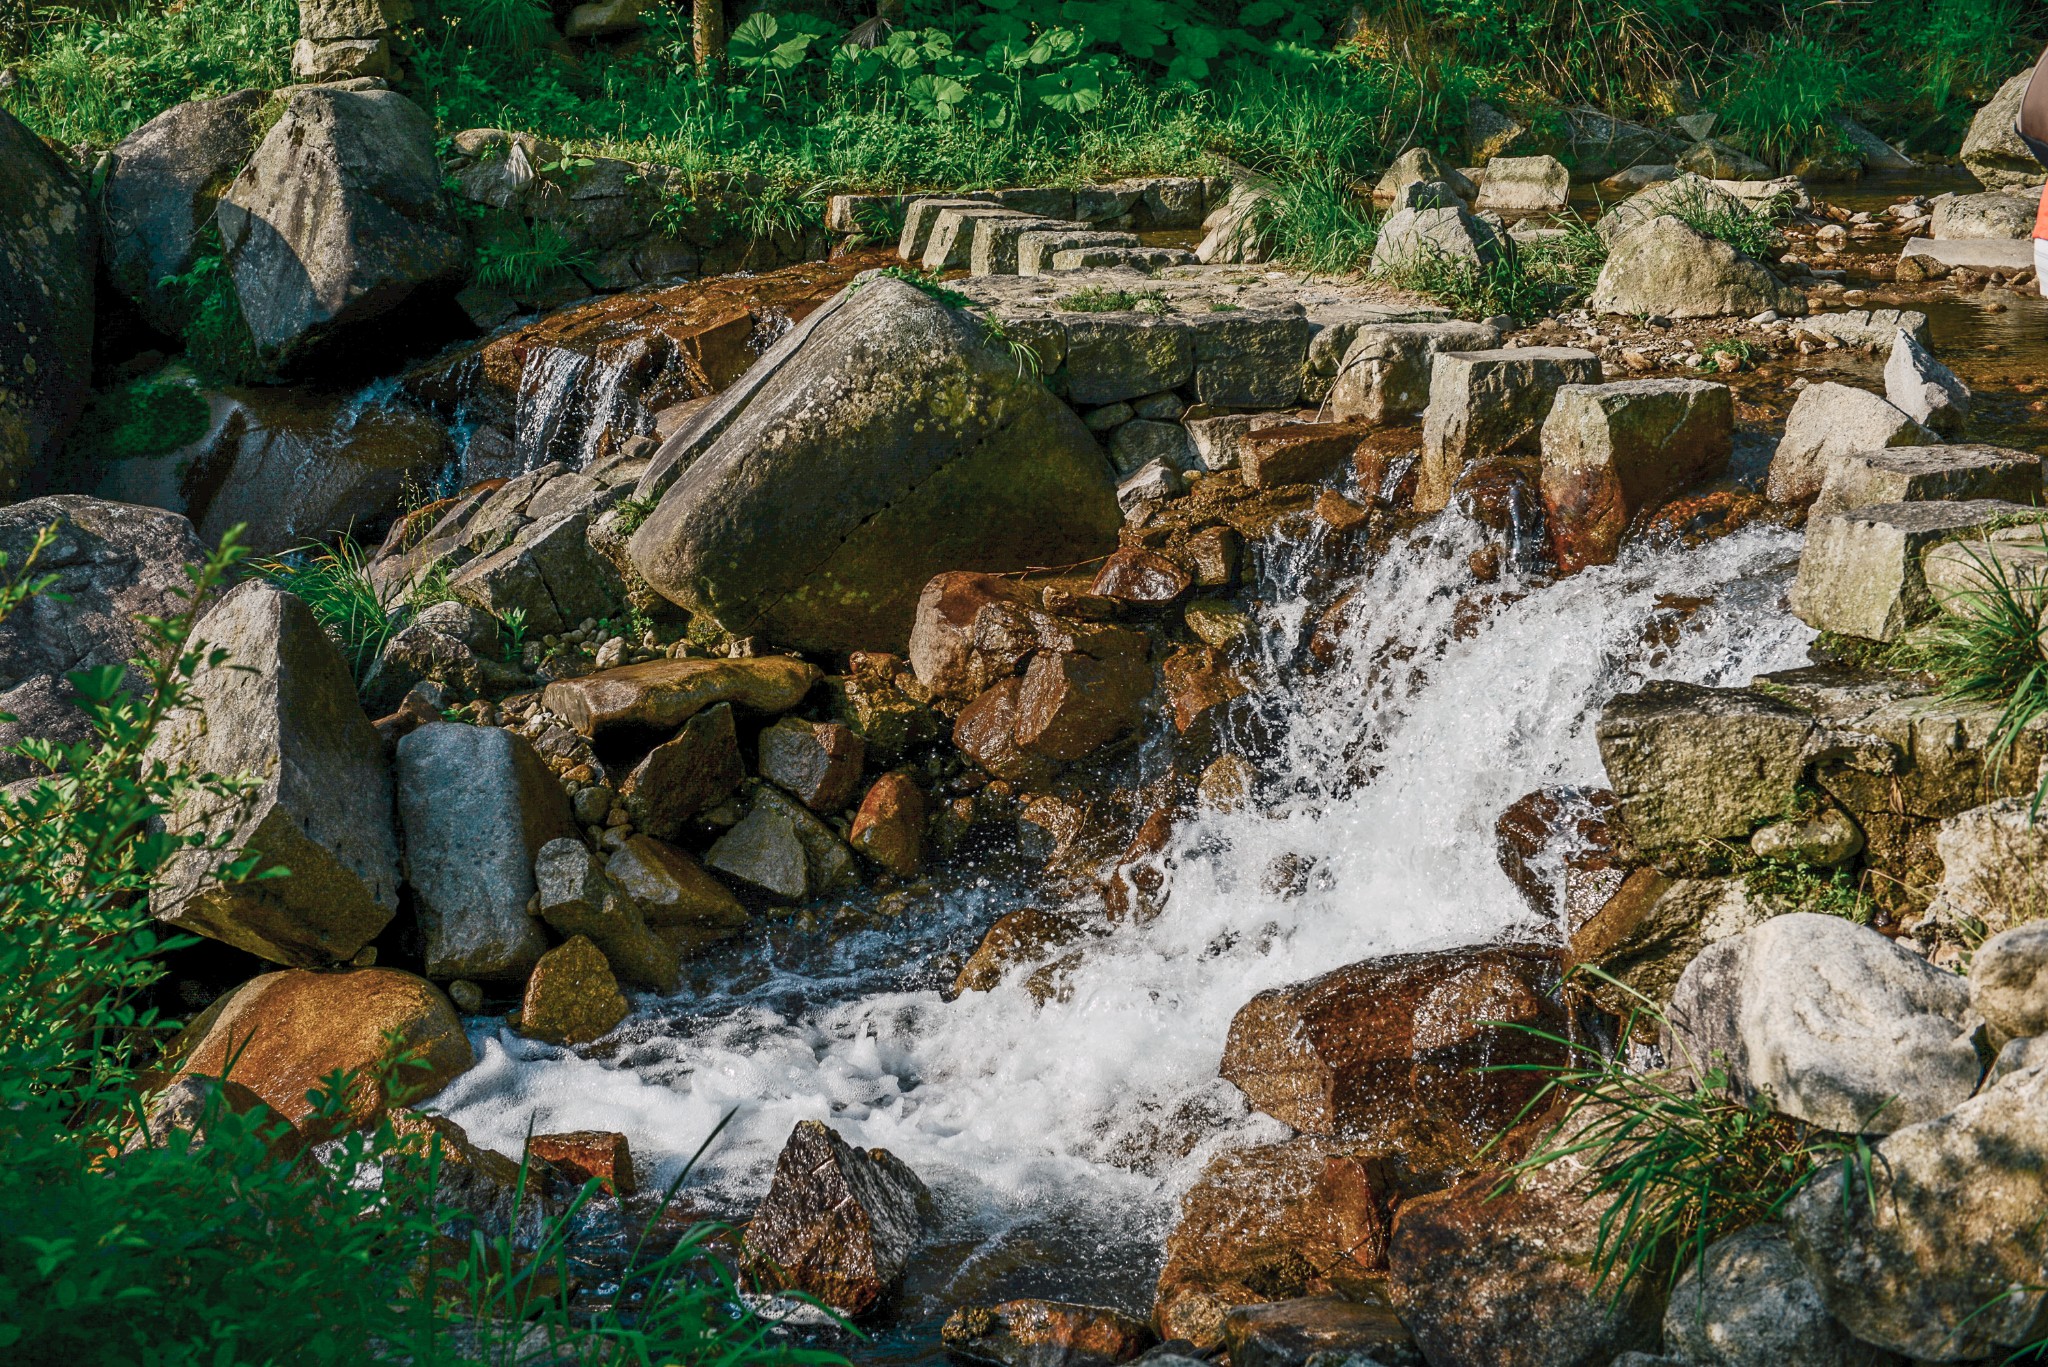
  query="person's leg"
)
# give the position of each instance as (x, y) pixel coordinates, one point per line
(2041, 265)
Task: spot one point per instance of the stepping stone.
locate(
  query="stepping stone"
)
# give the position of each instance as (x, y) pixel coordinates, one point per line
(1137, 258)
(996, 242)
(1989, 254)
(1035, 246)
(952, 241)
(1861, 574)
(921, 216)
(1928, 474)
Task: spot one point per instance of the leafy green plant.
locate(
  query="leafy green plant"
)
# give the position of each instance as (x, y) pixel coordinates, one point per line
(1743, 354)
(512, 626)
(1798, 887)
(927, 282)
(1678, 1161)
(144, 417)
(218, 345)
(334, 581)
(1750, 232)
(513, 28)
(524, 256)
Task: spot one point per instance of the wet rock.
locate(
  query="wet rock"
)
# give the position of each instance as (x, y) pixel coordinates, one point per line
(1272, 1222)
(1992, 217)
(1298, 453)
(159, 194)
(1034, 1333)
(1017, 938)
(1200, 682)
(475, 1190)
(663, 694)
(1689, 763)
(1141, 578)
(1556, 848)
(49, 247)
(1385, 375)
(1934, 1249)
(1670, 269)
(577, 897)
(1414, 238)
(1869, 327)
(1382, 1051)
(1073, 702)
(884, 704)
(1861, 572)
(682, 904)
(868, 493)
(838, 1223)
(2009, 982)
(1686, 193)
(1650, 929)
(113, 565)
(281, 710)
(1927, 474)
(1992, 149)
(1924, 389)
(986, 733)
(571, 997)
(286, 1032)
(782, 850)
(1214, 554)
(476, 804)
(1829, 1021)
(1994, 866)
(1613, 452)
(971, 631)
(1483, 403)
(1362, 1329)
(1525, 185)
(889, 827)
(682, 777)
(817, 763)
(601, 1156)
(1491, 1278)
(1829, 421)
(336, 219)
(1749, 1303)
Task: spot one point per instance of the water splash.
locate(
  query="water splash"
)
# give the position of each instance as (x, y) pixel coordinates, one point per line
(568, 400)
(1447, 701)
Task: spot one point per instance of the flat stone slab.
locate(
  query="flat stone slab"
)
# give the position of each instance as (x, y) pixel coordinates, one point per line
(2016, 557)
(1035, 246)
(1861, 573)
(1983, 254)
(996, 242)
(920, 216)
(1868, 327)
(1928, 474)
(954, 232)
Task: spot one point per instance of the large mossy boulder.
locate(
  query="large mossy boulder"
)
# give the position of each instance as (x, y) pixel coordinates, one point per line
(883, 440)
(48, 249)
(337, 219)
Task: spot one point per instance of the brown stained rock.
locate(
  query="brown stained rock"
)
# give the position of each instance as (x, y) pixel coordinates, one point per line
(1213, 553)
(479, 1187)
(1142, 578)
(284, 1033)
(572, 997)
(1384, 1051)
(889, 827)
(578, 898)
(1017, 938)
(1199, 680)
(1298, 453)
(1644, 935)
(838, 1222)
(817, 763)
(682, 777)
(663, 694)
(600, 1156)
(1613, 452)
(972, 630)
(1340, 514)
(1290, 1333)
(1268, 1223)
(1033, 1333)
(1072, 704)
(672, 889)
(1558, 835)
(986, 732)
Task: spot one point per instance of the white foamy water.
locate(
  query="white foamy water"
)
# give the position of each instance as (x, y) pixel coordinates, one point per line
(1393, 764)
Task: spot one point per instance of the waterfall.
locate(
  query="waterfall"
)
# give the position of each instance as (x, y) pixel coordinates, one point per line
(1073, 1126)
(567, 400)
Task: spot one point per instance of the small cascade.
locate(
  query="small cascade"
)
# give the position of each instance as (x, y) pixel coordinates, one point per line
(1066, 1130)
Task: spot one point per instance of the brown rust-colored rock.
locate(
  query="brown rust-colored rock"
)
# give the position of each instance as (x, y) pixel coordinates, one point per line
(889, 827)
(572, 997)
(1018, 937)
(1073, 703)
(663, 694)
(681, 777)
(286, 1032)
(1033, 1333)
(600, 1156)
(1612, 452)
(577, 897)
(817, 763)
(1142, 578)
(1199, 681)
(1560, 831)
(1298, 453)
(838, 1222)
(1384, 1051)
(971, 632)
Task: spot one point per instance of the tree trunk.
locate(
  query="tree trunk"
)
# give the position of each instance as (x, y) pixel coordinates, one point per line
(707, 31)
(889, 11)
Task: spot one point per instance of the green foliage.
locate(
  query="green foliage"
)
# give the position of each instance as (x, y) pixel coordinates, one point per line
(335, 583)
(514, 28)
(524, 256)
(1754, 233)
(1679, 1161)
(1744, 354)
(144, 417)
(1321, 221)
(1781, 98)
(1471, 290)
(1796, 887)
(512, 627)
(1102, 299)
(927, 282)
(218, 345)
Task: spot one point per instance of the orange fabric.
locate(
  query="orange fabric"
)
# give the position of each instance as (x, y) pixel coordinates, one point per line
(2041, 218)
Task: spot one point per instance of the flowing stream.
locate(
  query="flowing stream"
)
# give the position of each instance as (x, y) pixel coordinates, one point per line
(1057, 1137)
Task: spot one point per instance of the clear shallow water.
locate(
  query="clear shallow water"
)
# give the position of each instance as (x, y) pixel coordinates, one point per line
(1058, 1137)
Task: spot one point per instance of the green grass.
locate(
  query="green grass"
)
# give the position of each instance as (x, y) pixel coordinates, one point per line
(1752, 232)
(1796, 887)
(334, 581)
(1320, 221)
(144, 417)
(525, 257)
(1102, 299)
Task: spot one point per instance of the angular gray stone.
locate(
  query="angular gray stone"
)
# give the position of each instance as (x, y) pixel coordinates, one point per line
(995, 250)
(1036, 246)
(1861, 572)
(1875, 328)
(1667, 268)
(1598, 144)
(1829, 420)
(1994, 869)
(476, 805)
(1936, 1248)
(577, 897)
(1960, 573)
(781, 849)
(1385, 375)
(279, 711)
(955, 232)
(1153, 483)
(337, 219)
(162, 184)
(1118, 356)
(1421, 164)
(1992, 217)
(1525, 185)
(1139, 442)
(921, 216)
(1978, 254)
(550, 572)
(1612, 452)
(1924, 389)
(1823, 840)
(1716, 160)
(2009, 981)
(683, 776)
(1749, 1302)
(1689, 763)
(1875, 153)
(49, 247)
(1425, 194)
(813, 500)
(1414, 238)
(1993, 150)
(1830, 1022)
(1249, 358)
(1484, 403)
(1233, 233)
(1927, 474)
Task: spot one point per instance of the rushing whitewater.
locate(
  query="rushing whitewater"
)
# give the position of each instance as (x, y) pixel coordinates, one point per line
(1087, 1115)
